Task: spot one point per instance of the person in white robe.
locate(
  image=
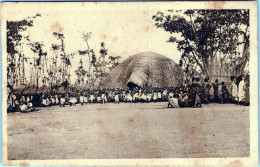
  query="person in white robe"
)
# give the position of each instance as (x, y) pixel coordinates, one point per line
(85, 99)
(23, 108)
(81, 99)
(149, 97)
(44, 102)
(116, 98)
(129, 97)
(103, 98)
(92, 98)
(155, 97)
(144, 97)
(56, 100)
(173, 102)
(136, 97)
(62, 102)
(159, 96)
(241, 91)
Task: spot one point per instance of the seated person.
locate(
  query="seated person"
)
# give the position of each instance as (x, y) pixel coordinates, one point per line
(173, 102)
(183, 99)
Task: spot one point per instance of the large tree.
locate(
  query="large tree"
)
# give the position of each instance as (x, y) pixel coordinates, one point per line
(205, 36)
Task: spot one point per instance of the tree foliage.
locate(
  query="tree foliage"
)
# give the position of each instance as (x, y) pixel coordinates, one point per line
(204, 35)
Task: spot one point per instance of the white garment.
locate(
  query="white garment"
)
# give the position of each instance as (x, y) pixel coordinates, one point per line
(23, 107)
(57, 100)
(116, 98)
(149, 97)
(241, 91)
(81, 99)
(92, 97)
(53, 100)
(170, 95)
(85, 99)
(29, 105)
(234, 90)
(62, 100)
(144, 97)
(44, 102)
(155, 96)
(159, 95)
(73, 100)
(165, 92)
(129, 97)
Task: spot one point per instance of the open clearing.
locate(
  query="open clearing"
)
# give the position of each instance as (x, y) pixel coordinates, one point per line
(131, 130)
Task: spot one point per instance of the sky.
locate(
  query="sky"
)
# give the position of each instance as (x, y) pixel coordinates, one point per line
(125, 31)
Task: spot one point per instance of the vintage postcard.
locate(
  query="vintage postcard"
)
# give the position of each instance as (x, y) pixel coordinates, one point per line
(129, 83)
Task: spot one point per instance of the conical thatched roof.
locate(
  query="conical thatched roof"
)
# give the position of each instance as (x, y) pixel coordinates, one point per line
(146, 69)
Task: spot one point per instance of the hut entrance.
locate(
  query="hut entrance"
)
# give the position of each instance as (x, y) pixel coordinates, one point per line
(132, 85)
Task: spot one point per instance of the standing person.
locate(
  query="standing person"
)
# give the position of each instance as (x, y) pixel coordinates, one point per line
(44, 102)
(149, 97)
(197, 93)
(234, 89)
(144, 97)
(129, 97)
(216, 92)
(224, 93)
(62, 101)
(159, 96)
(53, 101)
(193, 92)
(91, 98)
(56, 100)
(241, 90)
(81, 99)
(164, 94)
(210, 90)
(204, 91)
(155, 97)
(247, 93)
(103, 97)
(11, 99)
(116, 98)
(136, 97)
(85, 99)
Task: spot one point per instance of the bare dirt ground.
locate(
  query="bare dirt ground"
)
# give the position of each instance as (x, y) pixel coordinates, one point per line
(148, 130)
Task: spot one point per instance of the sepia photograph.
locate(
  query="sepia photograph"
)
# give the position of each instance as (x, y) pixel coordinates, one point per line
(129, 83)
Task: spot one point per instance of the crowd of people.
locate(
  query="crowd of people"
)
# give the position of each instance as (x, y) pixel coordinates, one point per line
(191, 94)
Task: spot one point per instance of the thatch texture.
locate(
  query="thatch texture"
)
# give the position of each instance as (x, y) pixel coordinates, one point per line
(146, 69)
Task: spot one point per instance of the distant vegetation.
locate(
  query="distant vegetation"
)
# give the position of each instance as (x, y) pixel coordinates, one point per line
(51, 69)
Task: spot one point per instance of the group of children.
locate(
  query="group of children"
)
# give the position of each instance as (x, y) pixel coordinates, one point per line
(192, 94)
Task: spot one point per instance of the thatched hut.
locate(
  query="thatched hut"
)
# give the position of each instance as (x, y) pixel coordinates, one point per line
(146, 69)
